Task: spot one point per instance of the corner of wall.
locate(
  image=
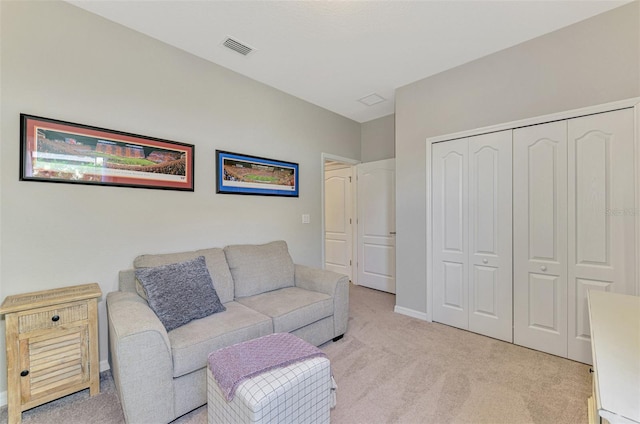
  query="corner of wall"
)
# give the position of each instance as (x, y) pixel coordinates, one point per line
(377, 139)
(411, 313)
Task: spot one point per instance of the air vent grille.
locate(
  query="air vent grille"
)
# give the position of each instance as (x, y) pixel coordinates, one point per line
(237, 46)
(372, 99)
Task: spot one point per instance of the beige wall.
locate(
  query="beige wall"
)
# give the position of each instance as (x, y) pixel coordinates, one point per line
(592, 62)
(378, 139)
(62, 62)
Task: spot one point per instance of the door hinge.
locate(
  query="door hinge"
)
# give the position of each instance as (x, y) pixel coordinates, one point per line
(349, 221)
(350, 264)
(349, 179)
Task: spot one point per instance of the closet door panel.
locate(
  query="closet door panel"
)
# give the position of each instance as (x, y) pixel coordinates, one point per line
(490, 238)
(540, 237)
(601, 216)
(543, 309)
(450, 233)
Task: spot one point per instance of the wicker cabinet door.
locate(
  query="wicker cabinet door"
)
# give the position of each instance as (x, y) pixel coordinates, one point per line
(53, 351)
(55, 361)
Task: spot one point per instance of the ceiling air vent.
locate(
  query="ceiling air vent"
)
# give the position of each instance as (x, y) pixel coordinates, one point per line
(237, 46)
(372, 99)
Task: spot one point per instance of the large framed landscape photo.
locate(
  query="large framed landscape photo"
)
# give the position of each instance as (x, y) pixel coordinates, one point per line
(243, 174)
(64, 152)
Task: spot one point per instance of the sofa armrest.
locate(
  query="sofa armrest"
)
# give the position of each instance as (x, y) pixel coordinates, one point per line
(140, 359)
(331, 283)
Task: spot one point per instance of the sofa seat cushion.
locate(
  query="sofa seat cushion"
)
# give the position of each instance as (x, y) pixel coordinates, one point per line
(291, 308)
(192, 343)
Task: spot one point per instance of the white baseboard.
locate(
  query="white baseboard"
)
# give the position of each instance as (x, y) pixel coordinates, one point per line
(410, 312)
(104, 366)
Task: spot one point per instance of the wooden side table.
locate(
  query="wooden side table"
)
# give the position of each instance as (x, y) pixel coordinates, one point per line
(52, 345)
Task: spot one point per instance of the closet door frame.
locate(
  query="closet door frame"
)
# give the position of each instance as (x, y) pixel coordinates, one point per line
(575, 113)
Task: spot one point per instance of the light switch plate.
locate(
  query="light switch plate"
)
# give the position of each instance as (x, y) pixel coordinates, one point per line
(306, 218)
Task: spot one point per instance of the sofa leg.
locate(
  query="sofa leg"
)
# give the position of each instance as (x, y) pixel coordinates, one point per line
(335, 339)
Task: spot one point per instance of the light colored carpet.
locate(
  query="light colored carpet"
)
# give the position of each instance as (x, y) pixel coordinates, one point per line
(394, 369)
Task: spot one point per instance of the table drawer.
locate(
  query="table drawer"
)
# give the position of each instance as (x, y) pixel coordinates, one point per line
(44, 318)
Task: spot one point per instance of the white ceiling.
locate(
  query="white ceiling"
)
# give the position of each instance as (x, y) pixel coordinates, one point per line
(332, 53)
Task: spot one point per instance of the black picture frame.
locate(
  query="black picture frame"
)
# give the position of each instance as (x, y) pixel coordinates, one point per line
(65, 152)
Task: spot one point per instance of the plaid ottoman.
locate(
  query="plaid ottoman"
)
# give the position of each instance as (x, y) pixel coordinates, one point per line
(300, 392)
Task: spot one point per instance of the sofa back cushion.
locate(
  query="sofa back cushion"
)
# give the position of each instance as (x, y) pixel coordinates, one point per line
(215, 261)
(260, 268)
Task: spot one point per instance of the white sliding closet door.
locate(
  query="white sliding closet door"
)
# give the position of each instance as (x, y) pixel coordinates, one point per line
(472, 234)
(540, 237)
(450, 233)
(601, 216)
(490, 264)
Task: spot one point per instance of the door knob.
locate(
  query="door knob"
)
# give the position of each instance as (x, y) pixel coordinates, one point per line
(485, 260)
(544, 268)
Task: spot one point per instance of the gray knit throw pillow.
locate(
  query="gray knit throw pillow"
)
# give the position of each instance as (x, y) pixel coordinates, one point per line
(181, 292)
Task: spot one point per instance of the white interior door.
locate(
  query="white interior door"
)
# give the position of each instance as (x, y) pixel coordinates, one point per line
(376, 225)
(540, 237)
(450, 232)
(338, 221)
(490, 239)
(601, 216)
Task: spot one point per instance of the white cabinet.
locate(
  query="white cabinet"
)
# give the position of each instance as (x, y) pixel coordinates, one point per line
(472, 234)
(572, 199)
(615, 330)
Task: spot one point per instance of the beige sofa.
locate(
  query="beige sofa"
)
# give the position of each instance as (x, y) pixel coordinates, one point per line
(161, 375)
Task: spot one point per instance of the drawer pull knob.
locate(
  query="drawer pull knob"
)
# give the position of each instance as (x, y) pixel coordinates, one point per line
(24, 373)
(55, 318)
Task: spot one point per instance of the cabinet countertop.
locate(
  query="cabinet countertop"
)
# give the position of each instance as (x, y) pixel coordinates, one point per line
(19, 302)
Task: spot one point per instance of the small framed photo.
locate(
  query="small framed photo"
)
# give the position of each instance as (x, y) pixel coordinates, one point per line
(243, 174)
(64, 152)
